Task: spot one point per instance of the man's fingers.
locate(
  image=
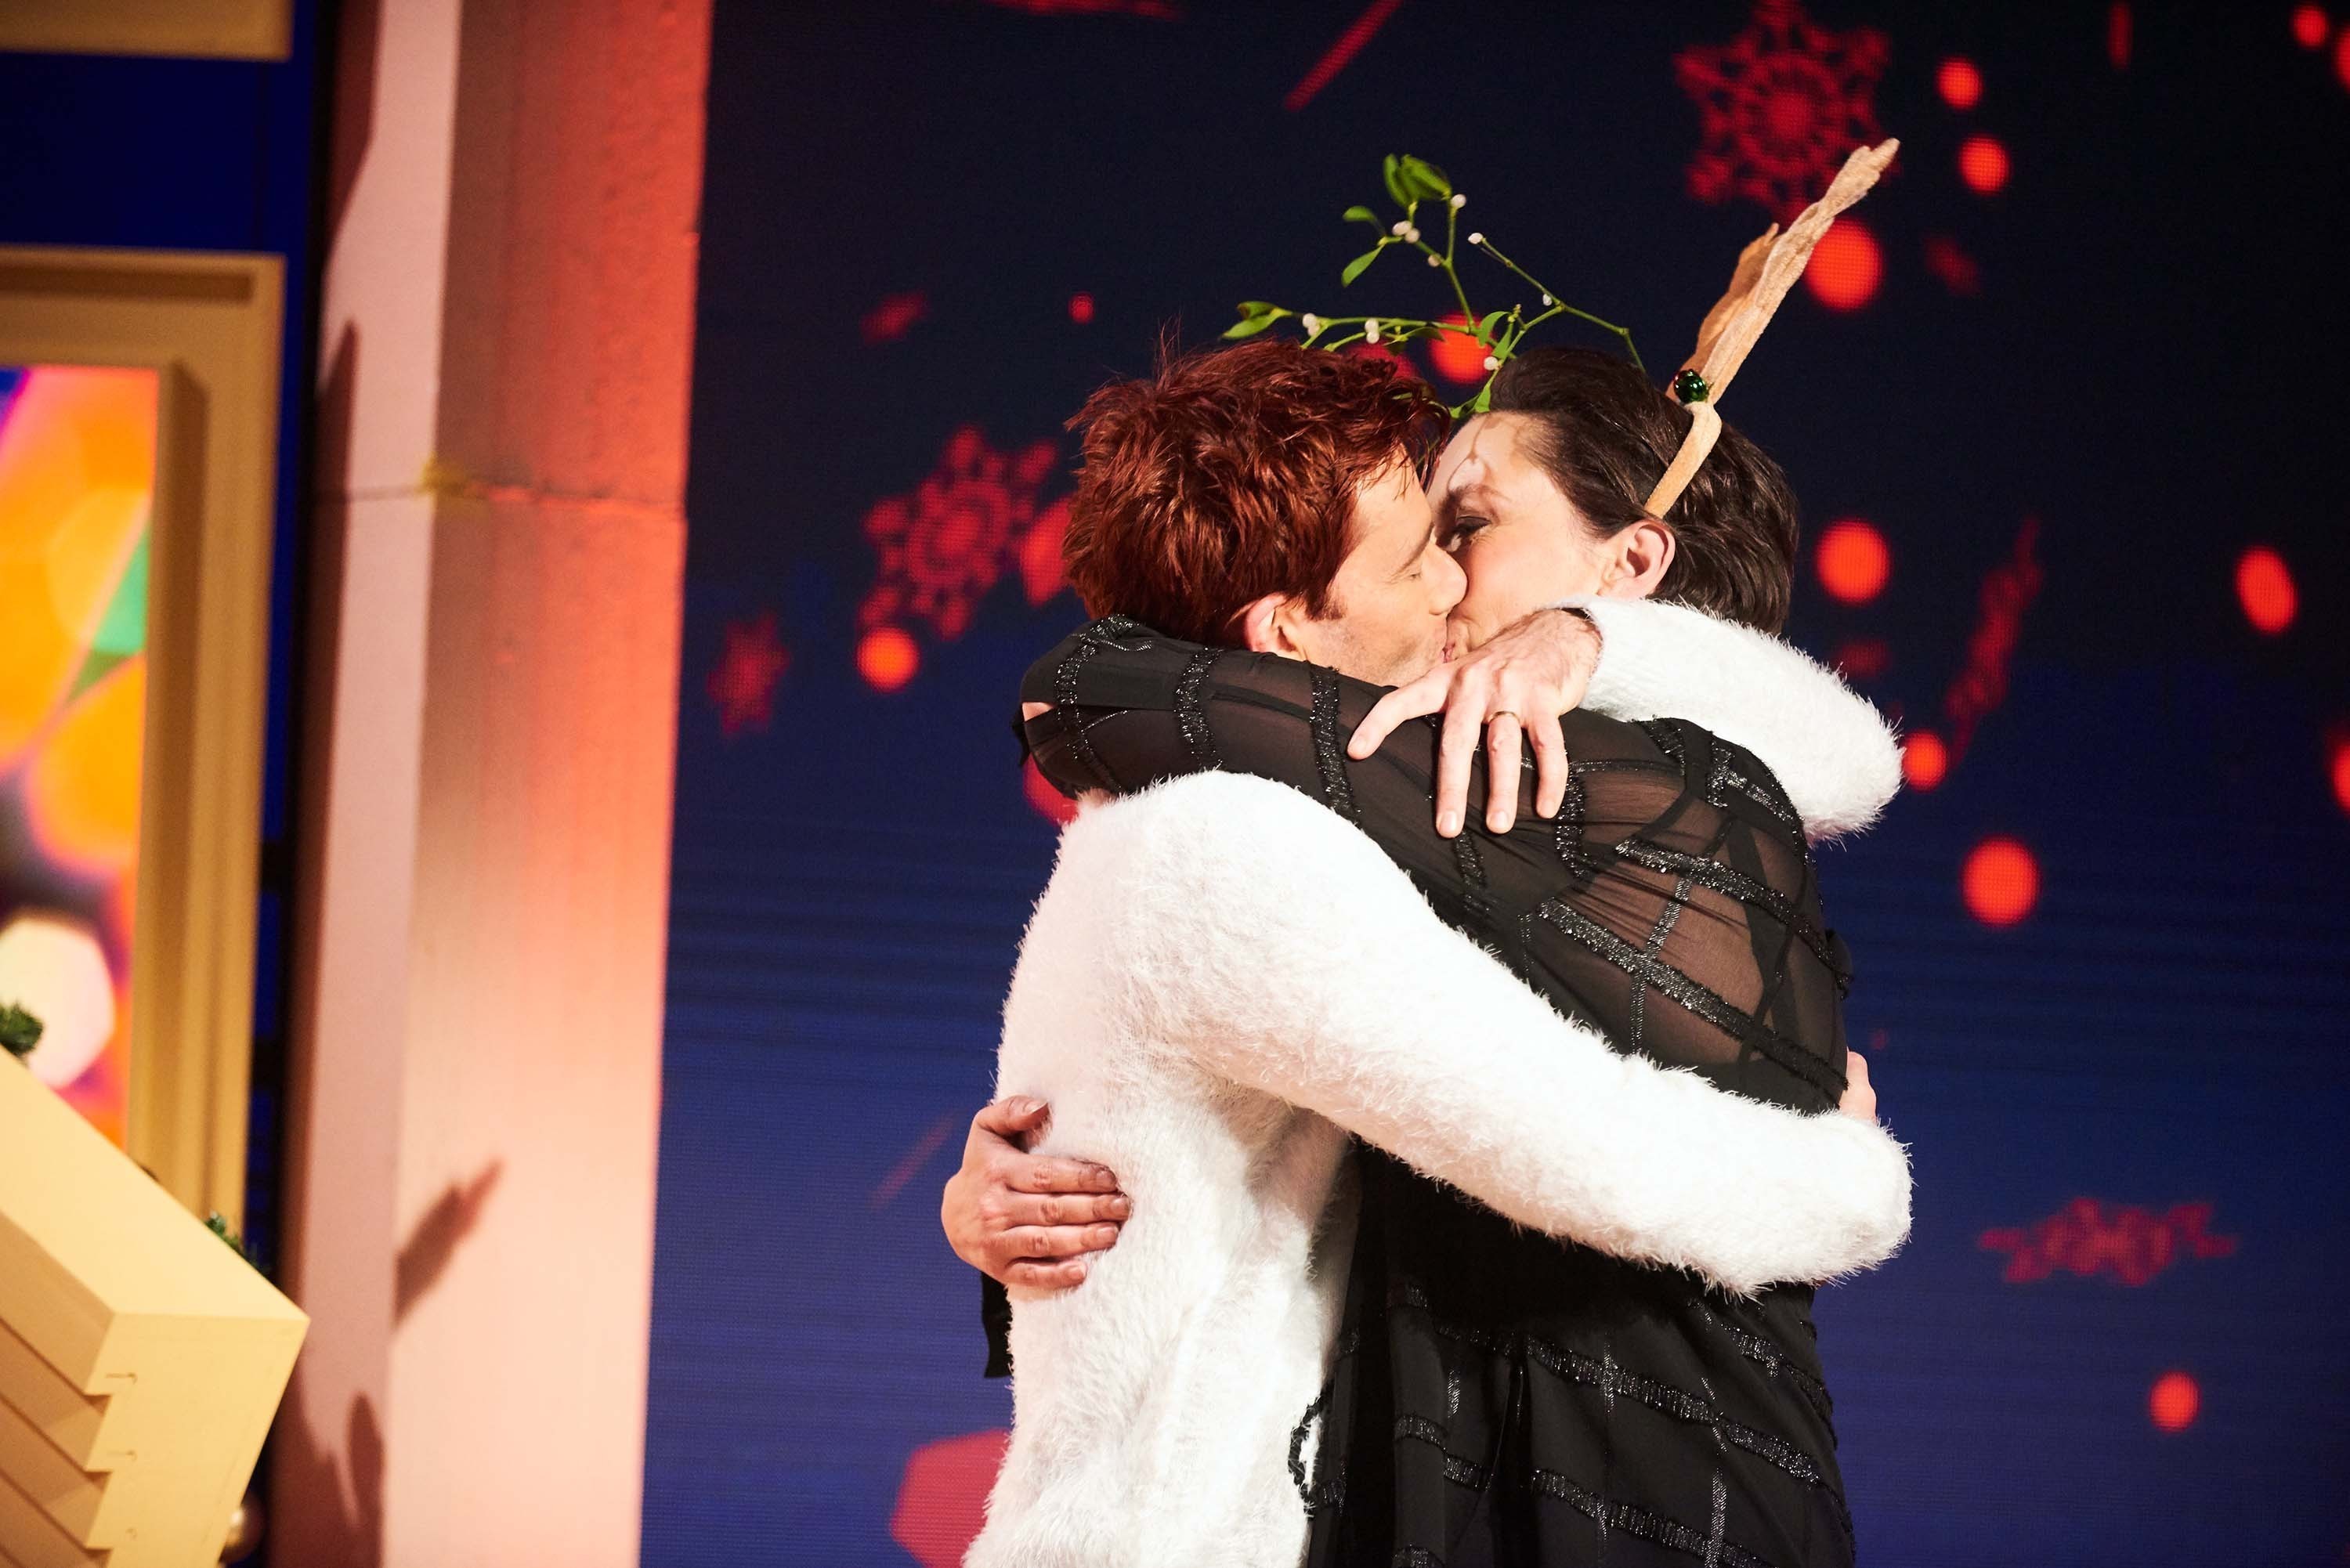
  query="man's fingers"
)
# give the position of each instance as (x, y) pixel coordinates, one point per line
(1055, 1240)
(1012, 1116)
(1038, 1275)
(1551, 766)
(1050, 1173)
(1064, 1209)
(1503, 738)
(1416, 700)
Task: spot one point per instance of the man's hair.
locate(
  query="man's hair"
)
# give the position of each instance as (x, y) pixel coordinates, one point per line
(1606, 434)
(1230, 474)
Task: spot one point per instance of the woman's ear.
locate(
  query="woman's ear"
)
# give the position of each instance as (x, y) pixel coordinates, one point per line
(1637, 560)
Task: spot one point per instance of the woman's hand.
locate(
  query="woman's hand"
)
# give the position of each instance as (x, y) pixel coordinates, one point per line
(1859, 1094)
(1027, 1220)
(1514, 688)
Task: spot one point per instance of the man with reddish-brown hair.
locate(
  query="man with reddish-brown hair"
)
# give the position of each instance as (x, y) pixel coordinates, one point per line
(1237, 973)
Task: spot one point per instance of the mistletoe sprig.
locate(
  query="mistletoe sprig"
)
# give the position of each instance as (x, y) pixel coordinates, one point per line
(1411, 182)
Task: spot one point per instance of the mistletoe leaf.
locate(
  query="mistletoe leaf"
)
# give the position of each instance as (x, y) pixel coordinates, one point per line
(1355, 268)
(1393, 171)
(1426, 181)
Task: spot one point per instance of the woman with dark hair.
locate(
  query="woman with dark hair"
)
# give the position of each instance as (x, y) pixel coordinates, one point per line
(1500, 1397)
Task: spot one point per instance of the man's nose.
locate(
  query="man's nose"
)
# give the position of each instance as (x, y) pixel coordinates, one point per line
(1450, 583)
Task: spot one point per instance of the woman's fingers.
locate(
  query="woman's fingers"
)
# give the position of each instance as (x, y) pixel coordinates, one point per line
(1504, 734)
(1548, 739)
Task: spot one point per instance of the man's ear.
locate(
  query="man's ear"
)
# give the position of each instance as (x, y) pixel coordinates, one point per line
(1263, 626)
(1637, 559)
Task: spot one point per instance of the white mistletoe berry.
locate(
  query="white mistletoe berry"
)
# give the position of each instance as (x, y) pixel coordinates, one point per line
(1371, 331)
(1399, 228)
(1459, 201)
(1548, 302)
(1436, 261)
(1476, 239)
(1311, 322)
(1492, 363)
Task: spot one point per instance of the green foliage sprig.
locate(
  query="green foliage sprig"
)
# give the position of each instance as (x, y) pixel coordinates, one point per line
(1412, 181)
(19, 1030)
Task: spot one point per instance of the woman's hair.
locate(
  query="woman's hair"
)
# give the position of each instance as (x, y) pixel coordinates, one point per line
(1604, 433)
(1232, 474)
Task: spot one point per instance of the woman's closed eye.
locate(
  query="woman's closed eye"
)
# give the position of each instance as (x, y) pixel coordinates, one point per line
(1461, 529)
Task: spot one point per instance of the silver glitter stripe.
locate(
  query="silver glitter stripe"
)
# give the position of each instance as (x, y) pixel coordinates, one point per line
(1329, 756)
(1694, 997)
(1732, 883)
(1463, 1471)
(1191, 714)
(1638, 1522)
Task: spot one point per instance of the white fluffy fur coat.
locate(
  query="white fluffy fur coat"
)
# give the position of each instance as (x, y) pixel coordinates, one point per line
(1224, 981)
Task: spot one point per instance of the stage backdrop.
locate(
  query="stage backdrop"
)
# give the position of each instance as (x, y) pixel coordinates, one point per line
(2061, 400)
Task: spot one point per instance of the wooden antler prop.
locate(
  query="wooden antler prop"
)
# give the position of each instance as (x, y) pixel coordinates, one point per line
(1767, 268)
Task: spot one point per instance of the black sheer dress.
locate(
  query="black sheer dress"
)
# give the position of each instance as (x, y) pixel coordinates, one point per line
(1499, 1397)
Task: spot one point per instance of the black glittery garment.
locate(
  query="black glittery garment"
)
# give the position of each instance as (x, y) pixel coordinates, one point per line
(1499, 1397)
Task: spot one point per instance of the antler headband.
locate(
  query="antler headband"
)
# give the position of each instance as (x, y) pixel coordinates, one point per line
(1767, 268)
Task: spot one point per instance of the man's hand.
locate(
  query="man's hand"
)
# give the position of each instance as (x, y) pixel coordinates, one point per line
(1514, 688)
(1027, 1220)
(1859, 1094)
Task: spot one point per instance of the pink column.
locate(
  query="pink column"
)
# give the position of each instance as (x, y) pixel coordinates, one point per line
(487, 740)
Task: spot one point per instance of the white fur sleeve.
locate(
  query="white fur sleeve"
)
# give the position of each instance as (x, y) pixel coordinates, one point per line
(1274, 944)
(1833, 752)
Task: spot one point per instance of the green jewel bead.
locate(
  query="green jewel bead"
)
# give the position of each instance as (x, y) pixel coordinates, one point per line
(1689, 387)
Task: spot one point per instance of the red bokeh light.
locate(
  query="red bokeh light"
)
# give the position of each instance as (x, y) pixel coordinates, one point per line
(2001, 881)
(1081, 307)
(2342, 57)
(1043, 798)
(1458, 356)
(942, 1497)
(2309, 26)
(2117, 35)
(1846, 266)
(741, 683)
(1863, 657)
(1960, 83)
(1982, 164)
(890, 320)
(1853, 561)
(2264, 584)
(2174, 1401)
(2337, 765)
(1925, 760)
(1948, 261)
(888, 658)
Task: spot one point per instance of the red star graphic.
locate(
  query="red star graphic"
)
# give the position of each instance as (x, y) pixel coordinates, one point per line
(742, 682)
(1780, 106)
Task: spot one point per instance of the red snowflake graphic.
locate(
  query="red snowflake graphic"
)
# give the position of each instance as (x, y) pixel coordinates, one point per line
(1780, 106)
(944, 546)
(2088, 1238)
(743, 682)
(2007, 591)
